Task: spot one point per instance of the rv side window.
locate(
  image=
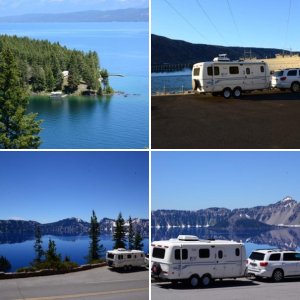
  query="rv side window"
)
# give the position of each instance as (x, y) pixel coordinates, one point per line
(209, 71)
(262, 69)
(184, 254)
(204, 253)
(142, 255)
(120, 256)
(220, 254)
(196, 71)
(237, 252)
(158, 253)
(216, 71)
(129, 256)
(248, 71)
(234, 70)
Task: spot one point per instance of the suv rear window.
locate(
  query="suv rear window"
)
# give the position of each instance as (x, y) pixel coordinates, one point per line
(257, 256)
(158, 253)
(278, 73)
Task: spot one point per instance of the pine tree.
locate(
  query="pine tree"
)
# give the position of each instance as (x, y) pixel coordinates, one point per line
(130, 234)
(50, 80)
(96, 249)
(74, 74)
(51, 255)
(18, 130)
(138, 245)
(38, 248)
(5, 265)
(119, 234)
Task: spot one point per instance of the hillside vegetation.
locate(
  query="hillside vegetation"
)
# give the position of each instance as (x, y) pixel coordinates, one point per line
(41, 64)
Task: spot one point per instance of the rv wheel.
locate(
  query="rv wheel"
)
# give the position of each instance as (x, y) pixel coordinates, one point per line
(227, 93)
(205, 280)
(156, 269)
(194, 281)
(237, 93)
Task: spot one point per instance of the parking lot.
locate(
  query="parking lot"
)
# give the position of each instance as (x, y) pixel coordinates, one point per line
(261, 120)
(239, 289)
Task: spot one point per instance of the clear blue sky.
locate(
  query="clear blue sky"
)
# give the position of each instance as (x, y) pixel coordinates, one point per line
(49, 186)
(18, 7)
(246, 23)
(196, 180)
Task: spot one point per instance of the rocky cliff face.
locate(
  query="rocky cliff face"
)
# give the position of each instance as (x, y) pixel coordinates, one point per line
(284, 212)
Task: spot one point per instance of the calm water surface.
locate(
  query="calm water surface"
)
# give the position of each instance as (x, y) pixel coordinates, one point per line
(21, 253)
(115, 122)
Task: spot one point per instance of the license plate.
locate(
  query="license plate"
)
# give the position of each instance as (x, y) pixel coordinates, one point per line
(253, 264)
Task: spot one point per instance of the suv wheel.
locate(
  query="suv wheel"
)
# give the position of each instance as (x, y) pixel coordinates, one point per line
(295, 87)
(277, 275)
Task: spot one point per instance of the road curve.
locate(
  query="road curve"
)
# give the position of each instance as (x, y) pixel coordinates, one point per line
(100, 283)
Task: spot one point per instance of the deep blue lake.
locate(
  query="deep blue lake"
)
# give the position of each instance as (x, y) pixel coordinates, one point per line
(171, 82)
(285, 238)
(21, 253)
(117, 122)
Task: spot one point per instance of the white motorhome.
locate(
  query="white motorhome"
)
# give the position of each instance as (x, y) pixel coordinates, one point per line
(196, 261)
(230, 78)
(126, 259)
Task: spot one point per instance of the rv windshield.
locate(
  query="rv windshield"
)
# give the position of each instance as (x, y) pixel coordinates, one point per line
(257, 256)
(110, 255)
(158, 253)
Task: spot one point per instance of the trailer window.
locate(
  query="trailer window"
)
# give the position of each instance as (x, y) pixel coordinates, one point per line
(237, 252)
(262, 69)
(184, 254)
(216, 71)
(120, 256)
(234, 70)
(209, 71)
(129, 256)
(204, 253)
(110, 255)
(158, 253)
(196, 71)
(248, 71)
(220, 254)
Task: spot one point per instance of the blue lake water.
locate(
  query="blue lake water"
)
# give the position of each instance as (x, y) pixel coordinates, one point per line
(171, 82)
(285, 238)
(117, 122)
(21, 253)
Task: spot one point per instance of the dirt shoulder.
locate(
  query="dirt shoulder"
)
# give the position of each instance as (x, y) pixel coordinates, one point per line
(269, 120)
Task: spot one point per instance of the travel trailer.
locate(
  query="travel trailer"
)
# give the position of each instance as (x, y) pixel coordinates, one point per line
(196, 261)
(230, 78)
(126, 259)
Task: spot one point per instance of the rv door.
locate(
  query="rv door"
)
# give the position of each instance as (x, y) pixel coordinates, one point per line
(219, 270)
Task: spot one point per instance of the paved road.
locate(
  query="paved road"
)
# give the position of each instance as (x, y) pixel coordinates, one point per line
(100, 283)
(242, 289)
(269, 120)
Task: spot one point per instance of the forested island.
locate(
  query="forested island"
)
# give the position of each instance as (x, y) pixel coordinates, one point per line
(46, 67)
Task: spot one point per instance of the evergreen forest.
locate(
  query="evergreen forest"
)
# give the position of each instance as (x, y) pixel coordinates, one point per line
(42, 63)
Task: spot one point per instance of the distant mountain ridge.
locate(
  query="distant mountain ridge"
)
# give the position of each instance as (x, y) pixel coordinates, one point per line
(118, 15)
(169, 51)
(282, 213)
(69, 226)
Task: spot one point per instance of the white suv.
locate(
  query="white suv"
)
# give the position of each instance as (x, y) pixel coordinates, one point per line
(274, 263)
(286, 79)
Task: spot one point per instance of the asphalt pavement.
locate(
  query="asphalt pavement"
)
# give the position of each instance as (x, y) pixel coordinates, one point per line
(100, 283)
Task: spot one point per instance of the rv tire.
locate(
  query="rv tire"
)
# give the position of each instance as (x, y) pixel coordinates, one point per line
(125, 268)
(227, 93)
(205, 280)
(295, 87)
(194, 281)
(237, 92)
(129, 268)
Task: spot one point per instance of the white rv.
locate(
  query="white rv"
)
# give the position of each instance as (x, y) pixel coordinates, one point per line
(126, 259)
(196, 261)
(230, 78)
